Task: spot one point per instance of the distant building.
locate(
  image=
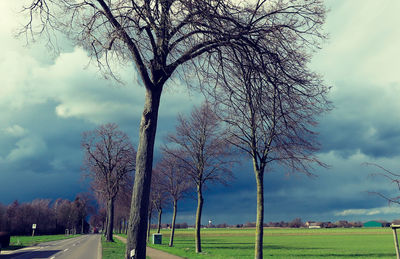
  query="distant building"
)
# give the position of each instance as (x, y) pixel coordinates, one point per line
(375, 224)
(312, 224)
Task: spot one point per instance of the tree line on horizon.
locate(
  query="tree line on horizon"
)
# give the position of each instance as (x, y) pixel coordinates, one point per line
(51, 217)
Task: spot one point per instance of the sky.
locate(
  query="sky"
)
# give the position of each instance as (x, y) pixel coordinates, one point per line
(47, 100)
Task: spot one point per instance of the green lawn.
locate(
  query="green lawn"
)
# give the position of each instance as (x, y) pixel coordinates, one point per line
(112, 250)
(17, 242)
(285, 243)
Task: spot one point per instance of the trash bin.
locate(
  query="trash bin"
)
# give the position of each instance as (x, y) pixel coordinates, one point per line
(157, 239)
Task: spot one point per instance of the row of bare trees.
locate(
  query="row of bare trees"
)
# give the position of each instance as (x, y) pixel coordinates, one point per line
(50, 217)
(261, 45)
(266, 125)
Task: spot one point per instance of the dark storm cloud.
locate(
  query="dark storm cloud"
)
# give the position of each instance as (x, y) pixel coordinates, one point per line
(48, 101)
(364, 120)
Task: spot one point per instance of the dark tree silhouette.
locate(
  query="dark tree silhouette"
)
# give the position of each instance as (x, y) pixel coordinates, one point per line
(270, 109)
(162, 36)
(109, 162)
(204, 152)
(158, 197)
(122, 207)
(175, 182)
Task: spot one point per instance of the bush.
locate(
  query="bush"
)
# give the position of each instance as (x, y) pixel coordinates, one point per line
(4, 239)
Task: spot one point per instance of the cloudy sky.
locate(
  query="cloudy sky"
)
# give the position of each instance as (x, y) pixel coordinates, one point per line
(48, 100)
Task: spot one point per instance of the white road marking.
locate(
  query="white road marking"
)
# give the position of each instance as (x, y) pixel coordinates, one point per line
(52, 257)
(65, 250)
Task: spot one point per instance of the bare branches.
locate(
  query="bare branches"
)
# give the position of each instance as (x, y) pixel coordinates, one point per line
(269, 106)
(160, 36)
(201, 147)
(388, 175)
(109, 159)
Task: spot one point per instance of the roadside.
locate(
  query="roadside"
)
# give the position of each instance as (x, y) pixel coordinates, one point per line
(153, 253)
(22, 243)
(80, 247)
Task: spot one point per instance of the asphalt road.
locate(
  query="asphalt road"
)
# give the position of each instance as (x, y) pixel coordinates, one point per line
(82, 247)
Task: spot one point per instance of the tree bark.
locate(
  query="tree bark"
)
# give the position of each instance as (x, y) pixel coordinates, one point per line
(110, 222)
(106, 224)
(149, 227)
(82, 226)
(260, 214)
(171, 239)
(200, 201)
(159, 220)
(141, 190)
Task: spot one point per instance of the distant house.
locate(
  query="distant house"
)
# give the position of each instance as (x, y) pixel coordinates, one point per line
(312, 224)
(375, 224)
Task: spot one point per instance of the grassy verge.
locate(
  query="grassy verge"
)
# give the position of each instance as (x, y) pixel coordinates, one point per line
(17, 242)
(112, 250)
(284, 243)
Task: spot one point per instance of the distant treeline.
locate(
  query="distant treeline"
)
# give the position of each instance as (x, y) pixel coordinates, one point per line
(296, 223)
(50, 217)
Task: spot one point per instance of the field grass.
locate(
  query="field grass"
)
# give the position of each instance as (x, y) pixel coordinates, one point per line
(113, 250)
(17, 242)
(284, 243)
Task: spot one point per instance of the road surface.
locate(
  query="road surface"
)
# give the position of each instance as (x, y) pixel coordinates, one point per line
(82, 247)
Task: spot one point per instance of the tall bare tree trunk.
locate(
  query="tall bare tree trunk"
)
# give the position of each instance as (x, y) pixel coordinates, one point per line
(260, 213)
(200, 201)
(141, 189)
(159, 220)
(171, 239)
(106, 223)
(82, 226)
(149, 227)
(110, 222)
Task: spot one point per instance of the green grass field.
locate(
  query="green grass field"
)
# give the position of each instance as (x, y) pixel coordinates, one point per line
(285, 243)
(112, 250)
(17, 242)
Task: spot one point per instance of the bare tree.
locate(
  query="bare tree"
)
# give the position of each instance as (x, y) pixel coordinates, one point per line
(150, 215)
(109, 162)
(83, 207)
(201, 147)
(98, 219)
(270, 108)
(175, 182)
(2, 217)
(391, 177)
(158, 196)
(162, 36)
(123, 202)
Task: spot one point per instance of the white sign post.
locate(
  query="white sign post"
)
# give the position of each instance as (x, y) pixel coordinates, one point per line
(33, 229)
(133, 254)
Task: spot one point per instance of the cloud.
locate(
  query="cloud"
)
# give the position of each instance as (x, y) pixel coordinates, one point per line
(16, 131)
(363, 120)
(369, 212)
(364, 40)
(27, 147)
(360, 61)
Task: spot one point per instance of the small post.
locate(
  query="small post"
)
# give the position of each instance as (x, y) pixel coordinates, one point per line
(33, 229)
(133, 252)
(396, 242)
